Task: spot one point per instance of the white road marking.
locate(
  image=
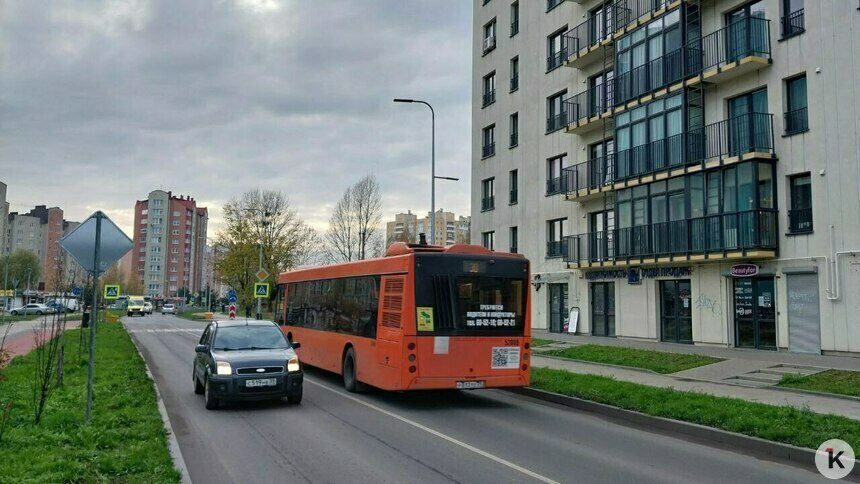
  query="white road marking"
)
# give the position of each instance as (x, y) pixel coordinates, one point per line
(438, 434)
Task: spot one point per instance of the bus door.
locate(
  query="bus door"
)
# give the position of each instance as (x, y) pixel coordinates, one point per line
(389, 337)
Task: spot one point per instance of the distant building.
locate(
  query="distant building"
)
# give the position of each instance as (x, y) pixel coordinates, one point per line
(4, 216)
(450, 229)
(169, 244)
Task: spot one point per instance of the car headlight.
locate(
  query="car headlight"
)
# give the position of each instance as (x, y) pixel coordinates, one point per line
(224, 368)
(293, 364)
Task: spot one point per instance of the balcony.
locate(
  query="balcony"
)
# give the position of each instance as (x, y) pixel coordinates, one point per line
(800, 221)
(589, 106)
(489, 98)
(555, 249)
(796, 121)
(745, 137)
(737, 235)
(585, 40)
(488, 150)
(590, 178)
(556, 185)
(488, 203)
(792, 24)
(556, 122)
(734, 50)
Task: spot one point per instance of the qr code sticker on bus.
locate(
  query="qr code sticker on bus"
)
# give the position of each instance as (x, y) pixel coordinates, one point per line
(505, 357)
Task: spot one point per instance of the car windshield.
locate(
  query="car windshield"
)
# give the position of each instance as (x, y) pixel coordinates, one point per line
(251, 337)
(136, 302)
(168, 306)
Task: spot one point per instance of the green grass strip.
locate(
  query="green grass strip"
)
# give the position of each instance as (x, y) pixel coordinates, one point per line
(658, 361)
(840, 382)
(537, 342)
(799, 427)
(126, 441)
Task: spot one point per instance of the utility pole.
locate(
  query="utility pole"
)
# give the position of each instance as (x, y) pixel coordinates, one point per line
(28, 286)
(260, 300)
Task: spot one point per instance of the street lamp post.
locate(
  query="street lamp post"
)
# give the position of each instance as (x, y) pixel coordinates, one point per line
(264, 223)
(433, 176)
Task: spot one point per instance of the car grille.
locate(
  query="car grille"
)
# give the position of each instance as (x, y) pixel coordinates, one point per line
(253, 370)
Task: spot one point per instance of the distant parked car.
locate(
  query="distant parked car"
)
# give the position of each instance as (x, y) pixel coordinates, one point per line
(168, 309)
(33, 309)
(58, 307)
(147, 307)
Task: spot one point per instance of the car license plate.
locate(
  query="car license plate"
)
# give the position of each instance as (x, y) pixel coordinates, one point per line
(470, 385)
(261, 382)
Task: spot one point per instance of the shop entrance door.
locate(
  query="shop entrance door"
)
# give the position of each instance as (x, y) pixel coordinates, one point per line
(603, 308)
(755, 313)
(676, 315)
(557, 306)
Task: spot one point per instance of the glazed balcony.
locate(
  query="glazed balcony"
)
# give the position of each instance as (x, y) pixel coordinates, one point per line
(728, 236)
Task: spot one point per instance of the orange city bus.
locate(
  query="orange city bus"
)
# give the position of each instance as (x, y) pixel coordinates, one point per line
(422, 317)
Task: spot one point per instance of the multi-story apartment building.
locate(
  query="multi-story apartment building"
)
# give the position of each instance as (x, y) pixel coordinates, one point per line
(169, 244)
(40, 231)
(4, 217)
(676, 170)
(450, 229)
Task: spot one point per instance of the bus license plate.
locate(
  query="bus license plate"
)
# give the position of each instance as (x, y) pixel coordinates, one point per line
(261, 382)
(470, 385)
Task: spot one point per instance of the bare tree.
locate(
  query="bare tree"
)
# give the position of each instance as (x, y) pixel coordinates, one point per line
(354, 231)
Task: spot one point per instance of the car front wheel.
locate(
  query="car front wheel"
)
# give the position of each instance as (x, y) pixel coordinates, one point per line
(39, 313)
(212, 403)
(14, 313)
(296, 398)
(198, 388)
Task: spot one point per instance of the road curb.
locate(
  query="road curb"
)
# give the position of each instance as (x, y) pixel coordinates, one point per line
(172, 443)
(754, 446)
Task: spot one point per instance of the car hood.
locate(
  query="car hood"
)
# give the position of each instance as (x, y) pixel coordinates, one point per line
(242, 358)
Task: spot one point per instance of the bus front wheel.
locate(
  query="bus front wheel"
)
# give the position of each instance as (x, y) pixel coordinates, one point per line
(349, 381)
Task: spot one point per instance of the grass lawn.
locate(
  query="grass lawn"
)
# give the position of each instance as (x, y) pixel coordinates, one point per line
(841, 382)
(659, 361)
(126, 441)
(802, 428)
(536, 342)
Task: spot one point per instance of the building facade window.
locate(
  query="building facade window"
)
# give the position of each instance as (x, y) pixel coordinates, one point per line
(514, 123)
(515, 73)
(554, 237)
(796, 114)
(792, 18)
(800, 213)
(648, 58)
(556, 112)
(489, 36)
(488, 147)
(489, 86)
(554, 175)
(487, 239)
(515, 18)
(513, 238)
(556, 49)
(551, 4)
(513, 190)
(488, 199)
(649, 136)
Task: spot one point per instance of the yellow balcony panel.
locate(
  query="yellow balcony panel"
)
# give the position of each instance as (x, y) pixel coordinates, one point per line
(584, 126)
(735, 69)
(585, 56)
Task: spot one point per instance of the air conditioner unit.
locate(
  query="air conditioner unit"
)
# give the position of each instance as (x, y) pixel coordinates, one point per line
(489, 43)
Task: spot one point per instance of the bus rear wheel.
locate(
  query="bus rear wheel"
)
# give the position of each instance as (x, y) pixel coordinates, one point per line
(349, 381)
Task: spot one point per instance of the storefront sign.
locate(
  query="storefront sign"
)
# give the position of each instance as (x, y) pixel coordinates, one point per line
(744, 270)
(634, 275)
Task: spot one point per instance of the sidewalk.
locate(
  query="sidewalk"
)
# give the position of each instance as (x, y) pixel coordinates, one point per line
(747, 375)
(21, 338)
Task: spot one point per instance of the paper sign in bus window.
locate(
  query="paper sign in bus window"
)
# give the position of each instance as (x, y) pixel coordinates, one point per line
(491, 316)
(424, 318)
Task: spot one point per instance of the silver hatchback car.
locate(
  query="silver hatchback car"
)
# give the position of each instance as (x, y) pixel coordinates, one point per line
(33, 309)
(168, 309)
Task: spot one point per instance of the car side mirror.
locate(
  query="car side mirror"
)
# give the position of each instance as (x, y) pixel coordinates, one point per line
(201, 349)
(296, 345)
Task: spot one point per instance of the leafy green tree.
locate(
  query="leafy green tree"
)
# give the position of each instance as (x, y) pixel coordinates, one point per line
(260, 218)
(20, 263)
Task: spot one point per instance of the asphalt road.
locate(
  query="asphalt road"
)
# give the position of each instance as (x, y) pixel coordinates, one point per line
(472, 437)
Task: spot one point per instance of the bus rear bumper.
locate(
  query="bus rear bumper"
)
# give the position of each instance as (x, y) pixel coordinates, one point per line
(454, 383)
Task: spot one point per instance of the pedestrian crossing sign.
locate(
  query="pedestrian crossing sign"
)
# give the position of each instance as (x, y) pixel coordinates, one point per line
(261, 289)
(111, 291)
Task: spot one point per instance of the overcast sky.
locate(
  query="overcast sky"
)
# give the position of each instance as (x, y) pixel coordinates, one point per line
(103, 101)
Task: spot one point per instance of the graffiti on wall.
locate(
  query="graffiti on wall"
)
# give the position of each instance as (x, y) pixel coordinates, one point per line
(706, 303)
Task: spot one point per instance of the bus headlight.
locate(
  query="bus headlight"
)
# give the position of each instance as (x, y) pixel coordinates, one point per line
(224, 368)
(293, 364)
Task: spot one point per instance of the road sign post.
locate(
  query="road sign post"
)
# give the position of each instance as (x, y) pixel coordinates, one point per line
(95, 244)
(261, 290)
(232, 311)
